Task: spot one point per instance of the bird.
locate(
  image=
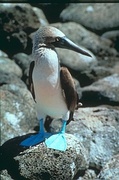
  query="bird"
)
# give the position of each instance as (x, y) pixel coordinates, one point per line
(52, 86)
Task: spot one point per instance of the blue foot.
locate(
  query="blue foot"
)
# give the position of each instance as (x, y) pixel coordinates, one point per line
(35, 139)
(38, 138)
(57, 141)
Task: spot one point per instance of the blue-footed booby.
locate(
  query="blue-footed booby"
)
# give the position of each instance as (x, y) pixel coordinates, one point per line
(52, 86)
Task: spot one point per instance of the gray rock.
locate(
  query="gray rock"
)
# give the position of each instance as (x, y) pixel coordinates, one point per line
(18, 114)
(9, 66)
(93, 74)
(81, 36)
(39, 162)
(18, 17)
(94, 16)
(22, 60)
(98, 129)
(42, 19)
(19, 39)
(89, 175)
(110, 170)
(103, 91)
(75, 60)
(113, 36)
(115, 69)
(17, 21)
(10, 78)
(108, 61)
(3, 54)
(4, 175)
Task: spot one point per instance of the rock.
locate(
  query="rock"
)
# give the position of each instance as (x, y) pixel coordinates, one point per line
(50, 164)
(98, 17)
(97, 45)
(89, 175)
(3, 54)
(39, 162)
(115, 69)
(113, 36)
(98, 129)
(10, 73)
(93, 74)
(75, 60)
(42, 19)
(22, 60)
(18, 114)
(17, 21)
(108, 61)
(18, 17)
(9, 66)
(110, 170)
(4, 175)
(10, 78)
(103, 91)
(19, 39)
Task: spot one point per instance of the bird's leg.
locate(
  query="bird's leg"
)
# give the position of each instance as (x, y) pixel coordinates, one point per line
(37, 138)
(58, 141)
(41, 130)
(63, 126)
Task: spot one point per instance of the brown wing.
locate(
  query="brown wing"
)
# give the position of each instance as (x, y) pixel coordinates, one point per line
(31, 87)
(70, 93)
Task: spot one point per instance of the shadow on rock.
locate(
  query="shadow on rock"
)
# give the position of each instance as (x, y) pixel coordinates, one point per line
(9, 150)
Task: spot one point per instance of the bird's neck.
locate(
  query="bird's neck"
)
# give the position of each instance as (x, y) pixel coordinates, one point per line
(46, 62)
(45, 56)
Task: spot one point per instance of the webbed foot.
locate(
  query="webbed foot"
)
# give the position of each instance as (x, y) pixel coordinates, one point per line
(35, 139)
(57, 141)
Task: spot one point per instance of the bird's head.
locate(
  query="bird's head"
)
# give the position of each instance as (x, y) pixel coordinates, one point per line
(51, 37)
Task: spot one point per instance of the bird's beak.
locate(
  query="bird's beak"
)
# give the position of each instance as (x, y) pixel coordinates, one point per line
(66, 43)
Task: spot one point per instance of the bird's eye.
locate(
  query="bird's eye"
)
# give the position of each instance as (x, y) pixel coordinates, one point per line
(57, 39)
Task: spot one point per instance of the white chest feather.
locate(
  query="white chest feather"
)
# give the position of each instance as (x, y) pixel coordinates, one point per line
(46, 70)
(46, 79)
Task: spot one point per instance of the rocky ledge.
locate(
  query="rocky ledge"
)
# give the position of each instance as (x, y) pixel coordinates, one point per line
(39, 162)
